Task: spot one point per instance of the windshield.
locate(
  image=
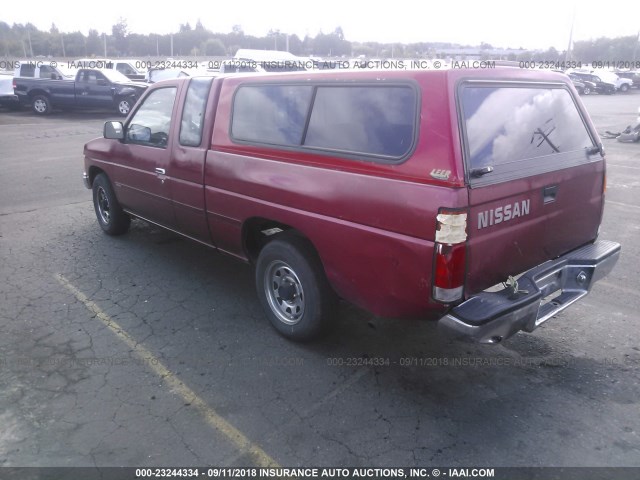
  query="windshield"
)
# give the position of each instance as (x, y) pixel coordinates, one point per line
(115, 77)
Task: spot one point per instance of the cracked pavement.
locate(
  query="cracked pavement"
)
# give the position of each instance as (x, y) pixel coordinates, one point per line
(72, 393)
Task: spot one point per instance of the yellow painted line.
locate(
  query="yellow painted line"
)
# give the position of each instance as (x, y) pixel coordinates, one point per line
(235, 436)
(352, 380)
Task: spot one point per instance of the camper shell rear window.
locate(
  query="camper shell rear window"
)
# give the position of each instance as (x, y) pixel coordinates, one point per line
(517, 130)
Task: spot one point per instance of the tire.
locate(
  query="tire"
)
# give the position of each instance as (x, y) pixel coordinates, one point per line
(124, 106)
(41, 105)
(293, 289)
(112, 219)
(586, 90)
(624, 87)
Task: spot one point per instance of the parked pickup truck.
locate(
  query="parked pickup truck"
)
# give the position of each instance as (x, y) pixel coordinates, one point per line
(408, 193)
(125, 67)
(91, 88)
(42, 69)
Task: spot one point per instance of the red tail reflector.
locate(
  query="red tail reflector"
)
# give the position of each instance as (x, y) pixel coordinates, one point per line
(450, 256)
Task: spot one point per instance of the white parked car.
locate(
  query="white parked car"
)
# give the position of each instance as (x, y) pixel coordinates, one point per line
(622, 84)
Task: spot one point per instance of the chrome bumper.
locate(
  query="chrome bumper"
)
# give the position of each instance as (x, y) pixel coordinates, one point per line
(85, 179)
(490, 317)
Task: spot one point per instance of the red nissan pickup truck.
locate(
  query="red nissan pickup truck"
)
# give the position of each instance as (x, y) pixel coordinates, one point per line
(407, 193)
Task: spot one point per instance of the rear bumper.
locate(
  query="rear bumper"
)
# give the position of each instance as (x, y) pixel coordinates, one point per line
(490, 317)
(8, 99)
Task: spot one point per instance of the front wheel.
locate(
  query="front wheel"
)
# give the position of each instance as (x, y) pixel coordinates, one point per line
(124, 106)
(293, 289)
(586, 90)
(624, 87)
(41, 105)
(112, 219)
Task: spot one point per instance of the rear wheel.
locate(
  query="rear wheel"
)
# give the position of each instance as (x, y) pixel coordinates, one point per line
(586, 90)
(112, 219)
(624, 87)
(293, 289)
(41, 105)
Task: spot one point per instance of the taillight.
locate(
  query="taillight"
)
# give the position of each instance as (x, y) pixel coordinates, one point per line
(450, 256)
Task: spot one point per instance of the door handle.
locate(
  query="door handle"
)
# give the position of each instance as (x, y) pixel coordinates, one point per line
(160, 171)
(549, 193)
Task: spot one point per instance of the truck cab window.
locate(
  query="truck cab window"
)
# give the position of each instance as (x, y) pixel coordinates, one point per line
(27, 70)
(125, 69)
(93, 77)
(46, 71)
(152, 121)
(193, 111)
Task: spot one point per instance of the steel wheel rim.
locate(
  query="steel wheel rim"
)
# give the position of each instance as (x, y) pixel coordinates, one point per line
(40, 106)
(284, 292)
(103, 206)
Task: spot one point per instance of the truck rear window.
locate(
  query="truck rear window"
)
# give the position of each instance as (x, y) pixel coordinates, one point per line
(358, 120)
(519, 130)
(27, 70)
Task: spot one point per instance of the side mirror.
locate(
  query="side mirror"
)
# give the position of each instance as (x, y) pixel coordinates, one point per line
(113, 130)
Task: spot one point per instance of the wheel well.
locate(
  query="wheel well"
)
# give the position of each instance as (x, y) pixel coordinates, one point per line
(256, 233)
(93, 172)
(33, 93)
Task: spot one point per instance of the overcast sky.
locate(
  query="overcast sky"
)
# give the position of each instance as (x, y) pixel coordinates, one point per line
(533, 24)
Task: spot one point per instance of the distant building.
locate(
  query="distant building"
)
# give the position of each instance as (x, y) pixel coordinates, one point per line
(476, 53)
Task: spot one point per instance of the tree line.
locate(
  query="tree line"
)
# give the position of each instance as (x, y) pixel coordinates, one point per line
(27, 41)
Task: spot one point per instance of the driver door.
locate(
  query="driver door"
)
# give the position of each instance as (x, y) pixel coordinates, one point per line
(141, 181)
(94, 90)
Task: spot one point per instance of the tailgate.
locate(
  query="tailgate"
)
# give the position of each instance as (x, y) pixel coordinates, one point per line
(535, 177)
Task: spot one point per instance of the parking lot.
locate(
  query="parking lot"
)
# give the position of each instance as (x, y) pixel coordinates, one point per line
(151, 350)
